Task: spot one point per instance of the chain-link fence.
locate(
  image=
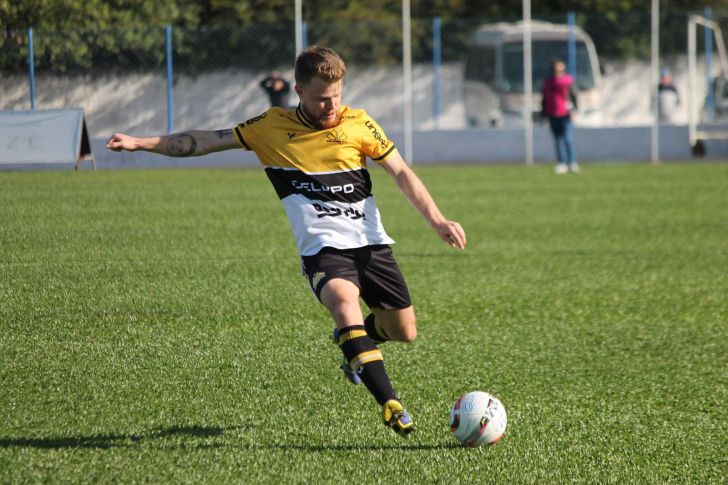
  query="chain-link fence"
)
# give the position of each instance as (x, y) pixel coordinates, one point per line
(466, 72)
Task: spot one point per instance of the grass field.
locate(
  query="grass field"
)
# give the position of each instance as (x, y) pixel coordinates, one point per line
(154, 328)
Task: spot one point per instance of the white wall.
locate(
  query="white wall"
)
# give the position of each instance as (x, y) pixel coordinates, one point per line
(601, 145)
(137, 103)
(598, 145)
(626, 144)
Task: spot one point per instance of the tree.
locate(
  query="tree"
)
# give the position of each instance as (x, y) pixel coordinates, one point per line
(78, 34)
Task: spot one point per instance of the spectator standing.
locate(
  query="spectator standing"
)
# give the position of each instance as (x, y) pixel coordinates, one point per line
(559, 95)
(277, 89)
(668, 99)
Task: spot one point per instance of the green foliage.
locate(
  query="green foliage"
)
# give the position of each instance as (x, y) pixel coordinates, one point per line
(261, 47)
(86, 14)
(361, 42)
(75, 35)
(17, 15)
(71, 34)
(154, 329)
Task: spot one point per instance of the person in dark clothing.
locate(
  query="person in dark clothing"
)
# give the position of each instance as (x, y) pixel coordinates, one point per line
(668, 99)
(278, 89)
(559, 99)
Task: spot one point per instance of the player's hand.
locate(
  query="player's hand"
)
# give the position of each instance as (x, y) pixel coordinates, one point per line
(452, 233)
(119, 142)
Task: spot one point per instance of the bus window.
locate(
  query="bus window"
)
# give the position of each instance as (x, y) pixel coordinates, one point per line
(480, 64)
(544, 53)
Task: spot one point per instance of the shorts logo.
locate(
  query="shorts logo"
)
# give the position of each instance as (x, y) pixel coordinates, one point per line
(336, 136)
(317, 278)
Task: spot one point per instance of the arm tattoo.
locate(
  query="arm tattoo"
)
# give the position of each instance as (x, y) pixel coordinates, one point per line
(224, 134)
(182, 145)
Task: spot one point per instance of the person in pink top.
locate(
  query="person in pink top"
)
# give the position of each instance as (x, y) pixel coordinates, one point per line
(559, 98)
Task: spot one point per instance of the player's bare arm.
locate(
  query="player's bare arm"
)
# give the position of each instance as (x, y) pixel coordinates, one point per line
(417, 195)
(188, 144)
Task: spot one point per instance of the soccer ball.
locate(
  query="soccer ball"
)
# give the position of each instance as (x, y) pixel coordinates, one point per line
(478, 418)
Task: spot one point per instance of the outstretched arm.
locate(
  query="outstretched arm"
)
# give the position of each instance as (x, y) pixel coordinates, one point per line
(417, 195)
(188, 144)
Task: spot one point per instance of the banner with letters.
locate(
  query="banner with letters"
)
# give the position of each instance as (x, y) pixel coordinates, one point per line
(43, 136)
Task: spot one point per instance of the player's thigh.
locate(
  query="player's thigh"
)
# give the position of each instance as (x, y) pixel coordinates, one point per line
(341, 298)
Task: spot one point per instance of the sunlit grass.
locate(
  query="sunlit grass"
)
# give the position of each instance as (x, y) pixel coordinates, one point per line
(154, 328)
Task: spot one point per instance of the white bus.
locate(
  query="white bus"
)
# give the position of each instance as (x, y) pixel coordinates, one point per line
(494, 83)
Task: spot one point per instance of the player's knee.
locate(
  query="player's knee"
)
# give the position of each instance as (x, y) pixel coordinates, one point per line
(408, 334)
(407, 327)
(341, 299)
(343, 310)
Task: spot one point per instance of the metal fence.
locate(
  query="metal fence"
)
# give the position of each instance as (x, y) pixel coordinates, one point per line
(126, 81)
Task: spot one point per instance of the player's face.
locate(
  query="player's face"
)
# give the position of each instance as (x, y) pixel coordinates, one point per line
(320, 102)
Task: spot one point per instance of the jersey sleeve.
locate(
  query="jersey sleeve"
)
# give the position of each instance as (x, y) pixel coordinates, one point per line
(375, 143)
(249, 133)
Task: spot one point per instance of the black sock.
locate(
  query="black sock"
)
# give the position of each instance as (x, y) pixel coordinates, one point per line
(366, 360)
(374, 376)
(375, 331)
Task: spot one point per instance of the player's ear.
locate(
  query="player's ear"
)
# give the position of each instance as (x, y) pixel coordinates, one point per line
(299, 91)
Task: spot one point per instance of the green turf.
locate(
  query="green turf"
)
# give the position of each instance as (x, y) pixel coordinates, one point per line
(154, 328)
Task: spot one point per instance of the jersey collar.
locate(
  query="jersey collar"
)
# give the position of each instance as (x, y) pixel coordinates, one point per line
(302, 117)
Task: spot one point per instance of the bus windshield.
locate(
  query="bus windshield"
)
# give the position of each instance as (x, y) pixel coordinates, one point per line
(544, 53)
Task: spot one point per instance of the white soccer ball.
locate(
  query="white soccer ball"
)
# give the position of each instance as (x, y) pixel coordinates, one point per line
(478, 418)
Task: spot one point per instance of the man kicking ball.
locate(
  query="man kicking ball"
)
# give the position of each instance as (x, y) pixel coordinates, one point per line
(315, 157)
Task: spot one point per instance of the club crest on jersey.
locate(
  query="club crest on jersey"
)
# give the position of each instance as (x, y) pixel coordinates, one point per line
(317, 277)
(336, 136)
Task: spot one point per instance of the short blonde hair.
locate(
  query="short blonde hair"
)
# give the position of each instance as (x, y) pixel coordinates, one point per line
(319, 61)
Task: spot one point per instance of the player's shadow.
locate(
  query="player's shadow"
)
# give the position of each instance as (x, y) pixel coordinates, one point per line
(105, 441)
(364, 447)
(108, 441)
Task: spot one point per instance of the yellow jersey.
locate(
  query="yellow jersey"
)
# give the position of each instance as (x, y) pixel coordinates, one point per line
(321, 176)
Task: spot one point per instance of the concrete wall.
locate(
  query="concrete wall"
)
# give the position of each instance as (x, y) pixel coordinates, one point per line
(468, 146)
(626, 144)
(598, 145)
(137, 103)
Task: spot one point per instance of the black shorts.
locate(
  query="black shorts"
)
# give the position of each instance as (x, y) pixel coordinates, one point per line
(371, 268)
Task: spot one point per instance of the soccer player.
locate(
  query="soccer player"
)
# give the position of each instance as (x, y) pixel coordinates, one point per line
(315, 157)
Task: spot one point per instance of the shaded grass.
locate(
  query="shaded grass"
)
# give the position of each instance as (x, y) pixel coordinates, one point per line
(153, 327)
